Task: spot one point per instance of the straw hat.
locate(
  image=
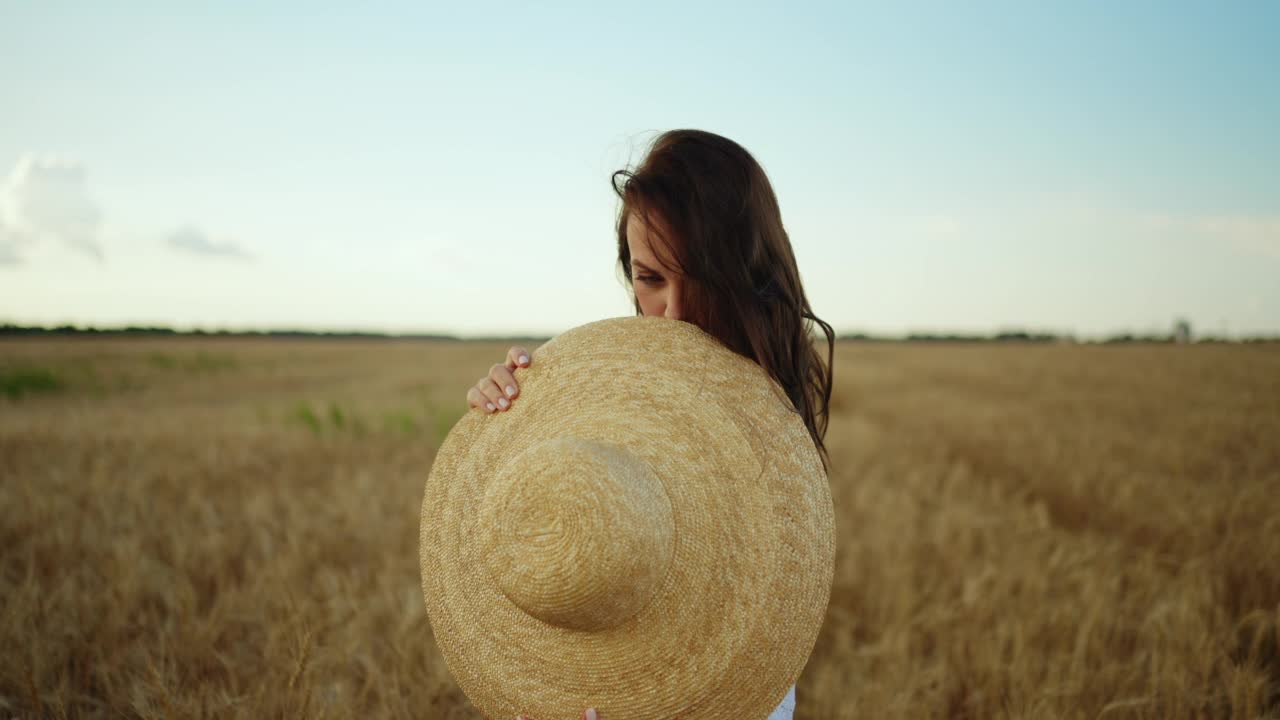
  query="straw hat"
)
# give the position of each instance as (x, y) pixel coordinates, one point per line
(647, 531)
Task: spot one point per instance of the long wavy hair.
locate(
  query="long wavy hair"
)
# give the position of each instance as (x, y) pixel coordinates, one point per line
(740, 281)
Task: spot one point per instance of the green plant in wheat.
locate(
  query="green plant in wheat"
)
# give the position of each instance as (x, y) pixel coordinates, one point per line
(21, 381)
(332, 419)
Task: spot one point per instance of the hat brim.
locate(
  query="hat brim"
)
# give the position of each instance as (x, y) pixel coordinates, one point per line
(734, 619)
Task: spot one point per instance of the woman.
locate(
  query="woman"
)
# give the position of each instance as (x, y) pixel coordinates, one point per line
(700, 239)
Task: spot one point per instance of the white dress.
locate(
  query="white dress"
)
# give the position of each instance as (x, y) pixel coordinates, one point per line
(788, 706)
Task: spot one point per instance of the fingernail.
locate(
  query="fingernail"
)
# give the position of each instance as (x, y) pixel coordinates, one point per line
(591, 714)
(502, 403)
(511, 392)
(524, 359)
(490, 406)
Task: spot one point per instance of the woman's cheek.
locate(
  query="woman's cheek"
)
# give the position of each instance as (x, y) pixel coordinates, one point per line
(645, 301)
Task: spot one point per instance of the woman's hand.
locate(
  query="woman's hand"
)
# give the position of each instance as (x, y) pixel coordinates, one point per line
(496, 391)
(588, 714)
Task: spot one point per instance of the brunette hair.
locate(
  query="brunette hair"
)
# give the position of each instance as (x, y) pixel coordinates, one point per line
(740, 281)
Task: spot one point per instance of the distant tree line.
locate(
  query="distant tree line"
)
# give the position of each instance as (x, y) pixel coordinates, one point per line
(1009, 336)
(1020, 336)
(146, 331)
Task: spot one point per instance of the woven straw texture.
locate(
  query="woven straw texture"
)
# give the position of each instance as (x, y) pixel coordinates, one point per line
(647, 531)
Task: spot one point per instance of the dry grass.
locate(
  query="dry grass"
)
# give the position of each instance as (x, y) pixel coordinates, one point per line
(222, 528)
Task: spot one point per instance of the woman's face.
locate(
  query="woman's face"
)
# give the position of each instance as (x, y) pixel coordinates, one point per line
(657, 289)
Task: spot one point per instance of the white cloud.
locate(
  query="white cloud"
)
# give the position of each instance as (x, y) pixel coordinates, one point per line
(194, 240)
(46, 199)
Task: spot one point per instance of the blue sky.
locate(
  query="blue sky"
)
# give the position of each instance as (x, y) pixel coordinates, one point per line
(1087, 167)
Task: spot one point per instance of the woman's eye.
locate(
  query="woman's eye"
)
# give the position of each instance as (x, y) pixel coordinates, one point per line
(650, 279)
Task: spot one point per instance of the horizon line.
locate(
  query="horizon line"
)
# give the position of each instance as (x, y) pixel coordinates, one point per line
(1006, 334)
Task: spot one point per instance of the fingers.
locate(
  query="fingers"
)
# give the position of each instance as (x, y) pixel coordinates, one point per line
(479, 401)
(517, 356)
(495, 392)
(505, 380)
(493, 395)
(486, 397)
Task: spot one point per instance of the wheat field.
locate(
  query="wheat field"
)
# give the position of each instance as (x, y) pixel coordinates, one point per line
(227, 528)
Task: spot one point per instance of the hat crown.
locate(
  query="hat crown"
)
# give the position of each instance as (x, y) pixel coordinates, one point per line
(578, 533)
